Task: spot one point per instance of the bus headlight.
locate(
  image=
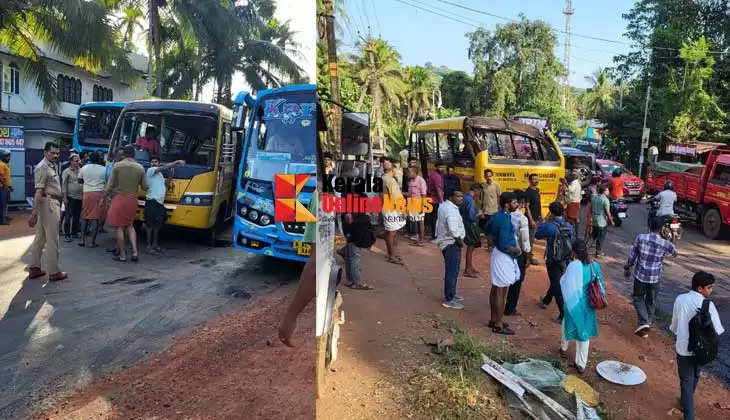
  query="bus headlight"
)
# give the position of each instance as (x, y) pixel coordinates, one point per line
(242, 210)
(265, 219)
(188, 200)
(196, 200)
(253, 215)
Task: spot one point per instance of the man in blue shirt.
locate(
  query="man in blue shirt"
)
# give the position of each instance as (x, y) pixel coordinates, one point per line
(549, 230)
(504, 269)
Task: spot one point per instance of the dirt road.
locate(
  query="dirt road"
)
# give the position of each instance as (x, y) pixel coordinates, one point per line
(381, 341)
(60, 337)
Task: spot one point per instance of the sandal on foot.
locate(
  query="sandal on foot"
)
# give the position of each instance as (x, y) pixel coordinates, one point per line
(81, 244)
(118, 258)
(93, 245)
(395, 260)
(563, 353)
(503, 330)
(135, 258)
(470, 274)
(490, 324)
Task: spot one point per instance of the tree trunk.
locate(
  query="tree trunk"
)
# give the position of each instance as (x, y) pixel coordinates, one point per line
(154, 13)
(360, 101)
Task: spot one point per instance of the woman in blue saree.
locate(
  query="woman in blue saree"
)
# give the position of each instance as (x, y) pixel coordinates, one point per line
(579, 323)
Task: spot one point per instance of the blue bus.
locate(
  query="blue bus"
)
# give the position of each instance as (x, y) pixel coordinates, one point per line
(94, 126)
(280, 138)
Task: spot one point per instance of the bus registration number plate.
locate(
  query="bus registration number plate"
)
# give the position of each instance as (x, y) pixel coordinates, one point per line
(302, 248)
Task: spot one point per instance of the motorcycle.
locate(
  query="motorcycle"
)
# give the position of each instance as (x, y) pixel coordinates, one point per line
(619, 211)
(671, 229)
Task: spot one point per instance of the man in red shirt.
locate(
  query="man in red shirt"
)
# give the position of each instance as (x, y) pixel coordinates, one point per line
(616, 185)
(149, 142)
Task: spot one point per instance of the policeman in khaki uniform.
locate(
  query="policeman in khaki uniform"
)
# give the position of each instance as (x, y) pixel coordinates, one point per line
(46, 217)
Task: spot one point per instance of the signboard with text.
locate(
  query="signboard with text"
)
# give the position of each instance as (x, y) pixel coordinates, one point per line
(12, 137)
(681, 149)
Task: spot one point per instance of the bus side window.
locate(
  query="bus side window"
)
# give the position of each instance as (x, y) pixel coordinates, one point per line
(523, 147)
(501, 147)
(463, 152)
(431, 147)
(445, 150)
(549, 153)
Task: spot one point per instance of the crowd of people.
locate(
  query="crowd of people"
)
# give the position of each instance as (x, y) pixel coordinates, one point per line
(512, 222)
(87, 195)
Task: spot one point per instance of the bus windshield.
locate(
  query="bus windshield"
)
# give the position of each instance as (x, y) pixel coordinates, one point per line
(191, 137)
(281, 143)
(96, 125)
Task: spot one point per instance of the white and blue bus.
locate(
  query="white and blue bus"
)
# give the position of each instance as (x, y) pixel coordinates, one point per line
(280, 138)
(94, 126)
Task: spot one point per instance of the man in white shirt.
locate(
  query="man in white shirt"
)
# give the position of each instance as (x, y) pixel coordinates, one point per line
(686, 306)
(666, 198)
(522, 236)
(154, 209)
(449, 237)
(573, 197)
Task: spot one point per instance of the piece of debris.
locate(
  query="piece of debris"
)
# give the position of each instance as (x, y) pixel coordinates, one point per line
(675, 412)
(558, 409)
(539, 373)
(575, 385)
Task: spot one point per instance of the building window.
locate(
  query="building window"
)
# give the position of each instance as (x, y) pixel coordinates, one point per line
(102, 94)
(10, 78)
(68, 89)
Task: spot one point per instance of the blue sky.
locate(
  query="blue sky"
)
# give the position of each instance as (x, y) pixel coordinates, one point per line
(421, 36)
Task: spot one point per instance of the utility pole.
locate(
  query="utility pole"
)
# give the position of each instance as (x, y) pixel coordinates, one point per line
(568, 12)
(644, 132)
(334, 77)
(621, 95)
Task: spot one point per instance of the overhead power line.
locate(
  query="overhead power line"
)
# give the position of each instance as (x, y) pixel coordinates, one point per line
(614, 41)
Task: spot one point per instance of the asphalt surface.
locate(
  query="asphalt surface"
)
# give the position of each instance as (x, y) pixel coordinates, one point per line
(58, 337)
(696, 252)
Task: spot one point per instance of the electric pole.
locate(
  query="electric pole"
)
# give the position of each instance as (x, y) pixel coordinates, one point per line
(334, 77)
(568, 12)
(644, 131)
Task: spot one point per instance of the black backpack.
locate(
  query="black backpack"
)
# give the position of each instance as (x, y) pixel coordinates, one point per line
(562, 250)
(702, 335)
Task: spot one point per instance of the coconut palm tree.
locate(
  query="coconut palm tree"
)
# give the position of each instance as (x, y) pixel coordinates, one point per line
(79, 30)
(420, 86)
(601, 95)
(129, 25)
(379, 72)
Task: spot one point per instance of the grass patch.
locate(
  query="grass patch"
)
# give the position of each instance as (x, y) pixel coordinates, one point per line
(455, 387)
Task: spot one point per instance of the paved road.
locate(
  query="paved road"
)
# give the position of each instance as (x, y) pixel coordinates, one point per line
(60, 336)
(696, 252)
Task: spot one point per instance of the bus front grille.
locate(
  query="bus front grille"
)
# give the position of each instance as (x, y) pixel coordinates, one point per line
(294, 228)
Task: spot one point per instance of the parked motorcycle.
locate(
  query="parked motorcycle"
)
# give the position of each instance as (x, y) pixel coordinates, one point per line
(619, 211)
(671, 227)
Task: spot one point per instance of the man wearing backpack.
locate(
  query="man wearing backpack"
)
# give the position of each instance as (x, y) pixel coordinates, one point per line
(647, 255)
(696, 324)
(560, 236)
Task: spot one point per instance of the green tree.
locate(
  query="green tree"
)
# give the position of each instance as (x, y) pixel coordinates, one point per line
(80, 30)
(516, 70)
(420, 85)
(129, 25)
(601, 96)
(456, 91)
(698, 115)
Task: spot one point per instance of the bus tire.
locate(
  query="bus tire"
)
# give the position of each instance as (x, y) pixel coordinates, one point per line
(712, 223)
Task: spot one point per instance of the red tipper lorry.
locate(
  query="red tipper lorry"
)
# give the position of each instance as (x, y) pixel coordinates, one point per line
(703, 191)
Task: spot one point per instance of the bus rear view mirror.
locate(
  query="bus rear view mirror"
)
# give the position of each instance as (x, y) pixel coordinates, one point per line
(355, 133)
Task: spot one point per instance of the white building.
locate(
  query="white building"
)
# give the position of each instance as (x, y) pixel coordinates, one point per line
(23, 114)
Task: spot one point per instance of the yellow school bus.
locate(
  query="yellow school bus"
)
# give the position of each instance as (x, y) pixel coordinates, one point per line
(512, 150)
(200, 193)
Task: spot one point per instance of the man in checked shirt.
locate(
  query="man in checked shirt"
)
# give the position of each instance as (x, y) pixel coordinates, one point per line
(647, 257)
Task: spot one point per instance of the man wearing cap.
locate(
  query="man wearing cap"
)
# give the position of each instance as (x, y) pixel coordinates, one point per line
(46, 217)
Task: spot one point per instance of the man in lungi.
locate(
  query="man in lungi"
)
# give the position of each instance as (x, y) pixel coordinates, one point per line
(154, 208)
(124, 181)
(504, 268)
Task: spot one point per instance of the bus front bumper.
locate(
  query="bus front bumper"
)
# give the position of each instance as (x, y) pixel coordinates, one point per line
(269, 241)
(195, 217)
